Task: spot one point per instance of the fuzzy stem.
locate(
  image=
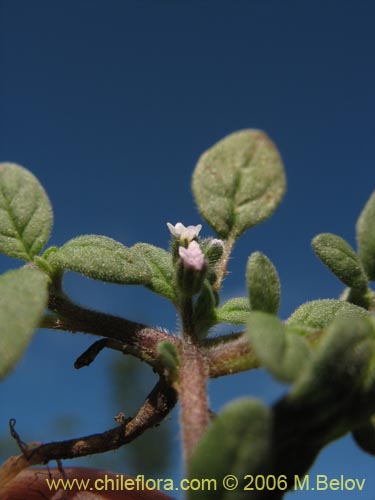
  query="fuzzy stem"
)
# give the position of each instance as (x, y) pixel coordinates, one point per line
(193, 397)
(221, 269)
(73, 317)
(187, 318)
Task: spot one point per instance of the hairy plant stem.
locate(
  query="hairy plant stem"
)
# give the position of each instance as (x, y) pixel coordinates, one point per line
(193, 376)
(72, 317)
(221, 268)
(188, 330)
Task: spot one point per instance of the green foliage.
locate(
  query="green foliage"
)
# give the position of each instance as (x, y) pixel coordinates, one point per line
(204, 310)
(23, 297)
(100, 258)
(326, 350)
(341, 259)
(283, 353)
(366, 237)
(320, 313)
(238, 443)
(235, 311)
(158, 262)
(343, 369)
(263, 284)
(333, 395)
(25, 213)
(239, 182)
(168, 356)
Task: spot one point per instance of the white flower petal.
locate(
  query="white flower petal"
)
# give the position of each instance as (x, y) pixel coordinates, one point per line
(176, 230)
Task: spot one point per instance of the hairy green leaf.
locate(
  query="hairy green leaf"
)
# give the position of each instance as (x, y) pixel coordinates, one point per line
(235, 311)
(204, 310)
(23, 297)
(237, 443)
(239, 182)
(366, 237)
(161, 275)
(333, 395)
(341, 259)
(100, 258)
(168, 355)
(283, 353)
(320, 313)
(344, 365)
(263, 284)
(25, 213)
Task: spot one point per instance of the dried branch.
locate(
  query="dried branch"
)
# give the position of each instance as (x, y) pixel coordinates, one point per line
(156, 407)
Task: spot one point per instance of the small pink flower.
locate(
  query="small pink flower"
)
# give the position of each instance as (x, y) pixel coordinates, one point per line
(192, 257)
(183, 233)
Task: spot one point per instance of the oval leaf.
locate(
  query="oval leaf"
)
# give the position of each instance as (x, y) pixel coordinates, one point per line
(235, 311)
(366, 237)
(238, 443)
(320, 313)
(161, 275)
(343, 370)
(341, 259)
(263, 283)
(23, 297)
(283, 353)
(239, 182)
(331, 397)
(100, 258)
(25, 213)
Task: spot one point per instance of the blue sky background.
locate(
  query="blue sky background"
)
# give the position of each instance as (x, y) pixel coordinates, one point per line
(110, 104)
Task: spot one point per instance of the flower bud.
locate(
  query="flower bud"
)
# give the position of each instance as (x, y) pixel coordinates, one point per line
(191, 268)
(182, 235)
(214, 250)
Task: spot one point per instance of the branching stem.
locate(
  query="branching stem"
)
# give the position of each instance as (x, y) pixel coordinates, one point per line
(156, 407)
(75, 318)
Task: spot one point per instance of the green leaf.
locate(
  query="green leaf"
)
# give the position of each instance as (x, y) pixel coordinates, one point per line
(100, 258)
(320, 313)
(237, 443)
(235, 311)
(345, 359)
(239, 182)
(25, 213)
(333, 395)
(168, 355)
(263, 283)
(341, 259)
(161, 274)
(283, 353)
(364, 436)
(23, 297)
(204, 310)
(366, 237)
